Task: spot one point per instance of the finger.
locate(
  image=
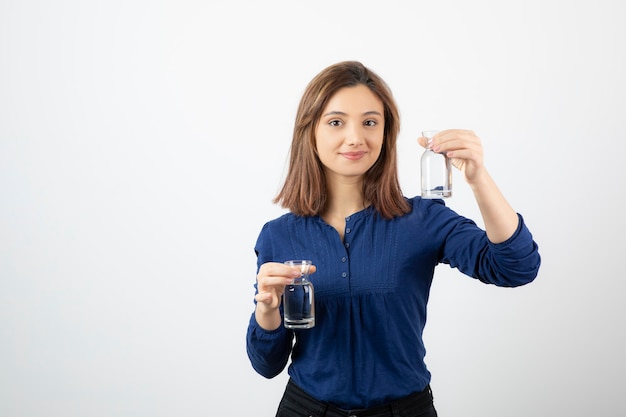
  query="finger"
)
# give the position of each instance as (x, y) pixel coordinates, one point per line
(272, 272)
(277, 269)
(297, 270)
(454, 141)
(264, 297)
(267, 283)
(268, 301)
(466, 154)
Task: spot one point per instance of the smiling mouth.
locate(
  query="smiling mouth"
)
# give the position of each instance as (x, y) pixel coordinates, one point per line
(353, 155)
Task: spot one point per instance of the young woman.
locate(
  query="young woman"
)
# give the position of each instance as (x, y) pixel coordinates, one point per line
(374, 253)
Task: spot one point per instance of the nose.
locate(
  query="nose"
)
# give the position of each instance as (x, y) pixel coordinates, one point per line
(354, 135)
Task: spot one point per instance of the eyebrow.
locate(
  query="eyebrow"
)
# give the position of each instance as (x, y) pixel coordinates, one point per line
(340, 113)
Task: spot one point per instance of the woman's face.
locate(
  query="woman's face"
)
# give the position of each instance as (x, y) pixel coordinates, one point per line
(349, 135)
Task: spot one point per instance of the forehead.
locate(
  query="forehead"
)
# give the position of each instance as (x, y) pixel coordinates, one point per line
(354, 99)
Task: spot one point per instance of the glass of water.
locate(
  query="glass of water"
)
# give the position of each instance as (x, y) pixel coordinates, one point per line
(298, 298)
(436, 172)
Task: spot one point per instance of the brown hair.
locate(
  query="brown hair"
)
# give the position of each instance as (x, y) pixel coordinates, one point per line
(304, 192)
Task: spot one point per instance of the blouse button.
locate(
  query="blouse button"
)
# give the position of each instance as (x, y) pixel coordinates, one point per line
(348, 218)
(347, 230)
(347, 245)
(344, 274)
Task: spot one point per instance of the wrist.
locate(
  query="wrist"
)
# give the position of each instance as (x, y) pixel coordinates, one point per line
(479, 178)
(268, 318)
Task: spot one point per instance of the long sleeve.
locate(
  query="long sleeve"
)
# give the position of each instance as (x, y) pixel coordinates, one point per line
(511, 263)
(268, 350)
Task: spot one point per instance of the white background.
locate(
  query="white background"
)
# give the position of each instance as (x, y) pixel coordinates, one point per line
(141, 143)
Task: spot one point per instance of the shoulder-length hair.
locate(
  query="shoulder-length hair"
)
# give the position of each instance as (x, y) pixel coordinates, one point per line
(304, 191)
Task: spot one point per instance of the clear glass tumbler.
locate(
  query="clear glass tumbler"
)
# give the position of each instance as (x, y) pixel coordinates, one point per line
(436, 172)
(298, 299)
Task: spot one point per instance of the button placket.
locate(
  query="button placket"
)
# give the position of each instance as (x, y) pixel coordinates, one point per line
(346, 244)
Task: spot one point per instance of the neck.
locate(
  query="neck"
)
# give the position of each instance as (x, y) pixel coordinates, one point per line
(344, 199)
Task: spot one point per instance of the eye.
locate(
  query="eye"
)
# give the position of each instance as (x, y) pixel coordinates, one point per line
(370, 123)
(335, 122)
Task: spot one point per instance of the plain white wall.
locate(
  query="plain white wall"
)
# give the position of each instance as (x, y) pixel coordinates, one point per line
(141, 143)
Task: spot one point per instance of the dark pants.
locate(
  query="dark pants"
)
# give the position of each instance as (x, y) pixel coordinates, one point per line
(297, 403)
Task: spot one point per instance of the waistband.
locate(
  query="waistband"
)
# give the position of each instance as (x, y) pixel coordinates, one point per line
(416, 402)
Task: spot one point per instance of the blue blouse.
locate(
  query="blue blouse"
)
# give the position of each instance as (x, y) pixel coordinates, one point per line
(371, 291)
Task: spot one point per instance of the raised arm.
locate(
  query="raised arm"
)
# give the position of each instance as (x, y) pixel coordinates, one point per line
(465, 150)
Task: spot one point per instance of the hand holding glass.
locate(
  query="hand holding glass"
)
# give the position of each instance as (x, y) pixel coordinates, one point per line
(298, 300)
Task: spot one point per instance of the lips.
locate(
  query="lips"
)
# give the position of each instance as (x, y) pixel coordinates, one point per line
(353, 156)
